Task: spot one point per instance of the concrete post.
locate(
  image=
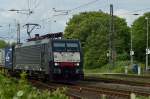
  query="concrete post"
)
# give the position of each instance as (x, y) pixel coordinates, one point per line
(103, 96)
(132, 96)
(139, 70)
(126, 69)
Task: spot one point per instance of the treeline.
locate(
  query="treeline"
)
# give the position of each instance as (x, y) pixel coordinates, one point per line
(92, 29)
(3, 44)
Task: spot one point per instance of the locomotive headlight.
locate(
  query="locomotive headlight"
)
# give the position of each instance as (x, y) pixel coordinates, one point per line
(56, 64)
(77, 64)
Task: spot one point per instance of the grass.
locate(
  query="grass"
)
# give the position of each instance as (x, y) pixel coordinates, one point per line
(13, 89)
(118, 68)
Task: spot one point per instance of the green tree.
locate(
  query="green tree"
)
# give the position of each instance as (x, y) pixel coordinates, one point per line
(2, 44)
(139, 29)
(92, 29)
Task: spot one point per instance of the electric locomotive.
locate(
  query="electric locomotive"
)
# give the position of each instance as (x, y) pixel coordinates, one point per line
(53, 59)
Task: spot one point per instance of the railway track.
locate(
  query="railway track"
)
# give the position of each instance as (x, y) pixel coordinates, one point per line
(144, 91)
(53, 86)
(94, 90)
(118, 75)
(118, 81)
(121, 79)
(77, 91)
(147, 77)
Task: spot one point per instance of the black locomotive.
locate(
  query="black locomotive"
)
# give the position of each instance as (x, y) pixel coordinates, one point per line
(43, 57)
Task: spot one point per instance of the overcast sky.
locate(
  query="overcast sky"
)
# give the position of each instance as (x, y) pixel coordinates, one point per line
(44, 14)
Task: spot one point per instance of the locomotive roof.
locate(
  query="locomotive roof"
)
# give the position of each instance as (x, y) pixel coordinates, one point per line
(72, 40)
(44, 41)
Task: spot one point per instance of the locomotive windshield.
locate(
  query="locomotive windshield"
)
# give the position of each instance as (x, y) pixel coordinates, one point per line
(72, 47)
(66, 51)
(66, 47)
(59, 46)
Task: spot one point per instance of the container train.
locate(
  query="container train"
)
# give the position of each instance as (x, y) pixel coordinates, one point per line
(45, 57)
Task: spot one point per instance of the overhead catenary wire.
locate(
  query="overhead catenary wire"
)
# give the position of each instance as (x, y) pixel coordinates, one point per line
(28, 2)
(66, 12)
(36, 4)
(134, 11)
(86, 4)
(30, 8)
(70, 11)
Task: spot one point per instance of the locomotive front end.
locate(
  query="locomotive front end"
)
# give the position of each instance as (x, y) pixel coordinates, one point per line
(67, 59)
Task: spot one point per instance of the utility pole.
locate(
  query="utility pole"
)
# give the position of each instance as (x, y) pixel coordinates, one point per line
(147, 49)
(9, 33)
(110, 43)
(27, 12)
(111, 38)
(18, 33)
(131, 43)
(131, 48)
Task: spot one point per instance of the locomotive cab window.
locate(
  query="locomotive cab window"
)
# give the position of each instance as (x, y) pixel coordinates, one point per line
(59, 46)
(72, 47)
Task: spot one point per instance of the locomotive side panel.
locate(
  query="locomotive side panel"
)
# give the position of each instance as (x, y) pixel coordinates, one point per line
(28, 58)
(45, 57)
(31, 57)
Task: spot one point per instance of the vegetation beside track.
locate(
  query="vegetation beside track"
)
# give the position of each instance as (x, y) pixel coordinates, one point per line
(11, 88)
(119, 68)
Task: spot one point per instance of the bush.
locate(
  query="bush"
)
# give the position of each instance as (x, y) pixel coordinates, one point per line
(118, 68)
(13, 89)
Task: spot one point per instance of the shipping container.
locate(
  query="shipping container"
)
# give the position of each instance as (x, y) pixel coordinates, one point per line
(2, 57)
(8, 57)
